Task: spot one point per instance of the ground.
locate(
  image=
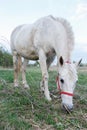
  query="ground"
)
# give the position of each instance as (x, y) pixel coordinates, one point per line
(22, 109)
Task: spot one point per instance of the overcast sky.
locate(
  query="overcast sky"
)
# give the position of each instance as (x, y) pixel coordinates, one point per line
(16, 12)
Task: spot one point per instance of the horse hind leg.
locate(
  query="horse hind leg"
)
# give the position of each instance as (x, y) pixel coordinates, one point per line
(15, 64)
(24, 65)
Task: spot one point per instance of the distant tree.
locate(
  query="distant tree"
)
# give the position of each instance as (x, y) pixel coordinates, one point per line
(5, 58)
(1, 55)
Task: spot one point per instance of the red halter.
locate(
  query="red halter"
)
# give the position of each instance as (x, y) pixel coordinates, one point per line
(58, 85)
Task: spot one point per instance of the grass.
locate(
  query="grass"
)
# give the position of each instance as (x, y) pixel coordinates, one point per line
(22, 109)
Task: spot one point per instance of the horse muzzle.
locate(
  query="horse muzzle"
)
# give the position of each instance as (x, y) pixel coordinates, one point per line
(67, 108)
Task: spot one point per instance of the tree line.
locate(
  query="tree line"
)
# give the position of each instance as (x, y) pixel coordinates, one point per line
(5, 58)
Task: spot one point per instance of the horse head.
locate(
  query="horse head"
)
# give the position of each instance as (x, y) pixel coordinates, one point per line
(67, 78)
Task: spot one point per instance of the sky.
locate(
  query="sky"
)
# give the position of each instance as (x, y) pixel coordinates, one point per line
(16, 12)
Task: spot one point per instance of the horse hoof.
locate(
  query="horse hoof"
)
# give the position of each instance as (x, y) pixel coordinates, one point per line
(15, 85)
(26, 86)
(48, 98)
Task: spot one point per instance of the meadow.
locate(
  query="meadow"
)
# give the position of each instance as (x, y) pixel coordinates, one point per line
(22, 109)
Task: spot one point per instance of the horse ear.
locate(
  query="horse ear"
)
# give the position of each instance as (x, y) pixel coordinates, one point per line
(61, 61)
(78, 63)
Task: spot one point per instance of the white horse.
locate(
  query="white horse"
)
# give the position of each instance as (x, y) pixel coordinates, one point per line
(46, 38)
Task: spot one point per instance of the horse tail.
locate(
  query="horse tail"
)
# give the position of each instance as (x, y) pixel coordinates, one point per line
(70, 34)
(19, 63)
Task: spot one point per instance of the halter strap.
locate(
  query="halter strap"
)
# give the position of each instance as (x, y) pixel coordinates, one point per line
(68, 62)
(62, 92)
(66, 93)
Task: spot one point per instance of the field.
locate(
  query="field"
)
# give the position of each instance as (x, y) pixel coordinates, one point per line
(22, 109)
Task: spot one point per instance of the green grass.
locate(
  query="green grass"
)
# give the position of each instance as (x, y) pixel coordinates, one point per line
(22, 109)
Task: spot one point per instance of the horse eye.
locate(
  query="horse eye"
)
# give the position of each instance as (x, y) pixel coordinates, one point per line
(62, 81)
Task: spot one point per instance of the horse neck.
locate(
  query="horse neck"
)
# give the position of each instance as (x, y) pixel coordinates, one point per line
(65, 54)
(67, 57)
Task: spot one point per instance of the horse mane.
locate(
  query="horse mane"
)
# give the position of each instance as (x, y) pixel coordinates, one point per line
(70, 34)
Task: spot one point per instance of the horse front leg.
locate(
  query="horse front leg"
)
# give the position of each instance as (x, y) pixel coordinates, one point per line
(24, 65)
(43, 66)
(49, 60)
(15, 64)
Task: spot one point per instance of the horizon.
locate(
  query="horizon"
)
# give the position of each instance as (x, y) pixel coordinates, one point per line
(74, 52)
